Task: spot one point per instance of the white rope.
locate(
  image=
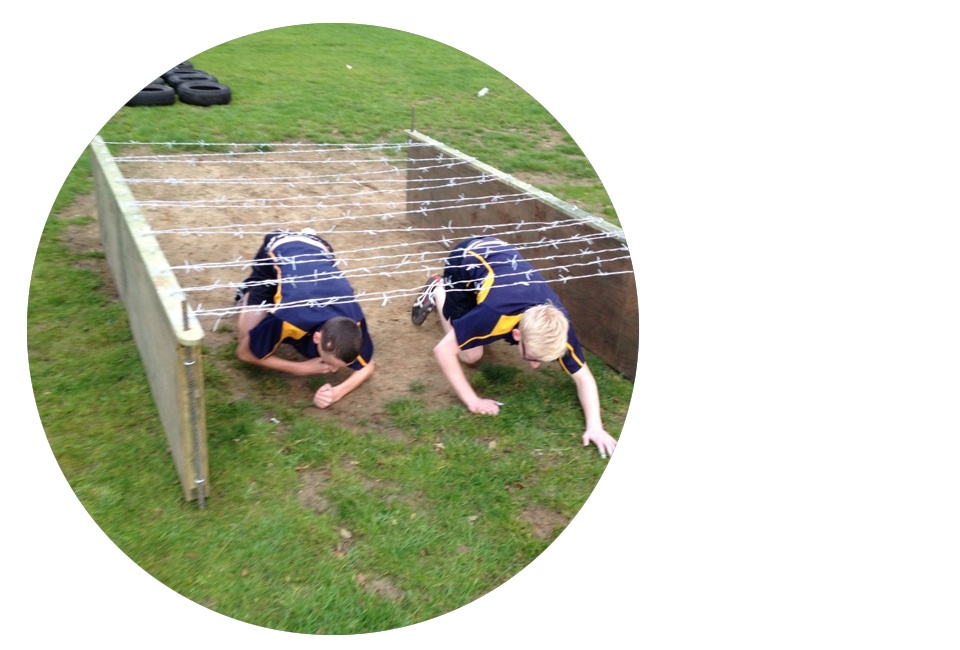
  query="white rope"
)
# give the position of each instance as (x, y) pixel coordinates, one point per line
(373, 271)
(337, 177)
(230, 158)
(419, 258)
(384, 260)
(383, 297)
(308, 180)
(484, 228)
(313, 199)
(315, 204)
(260, 148)
(240, 231)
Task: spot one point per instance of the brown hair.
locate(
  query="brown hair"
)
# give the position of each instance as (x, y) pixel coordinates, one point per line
(342, 337)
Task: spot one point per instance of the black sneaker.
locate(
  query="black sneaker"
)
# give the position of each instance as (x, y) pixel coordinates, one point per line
(425, 302)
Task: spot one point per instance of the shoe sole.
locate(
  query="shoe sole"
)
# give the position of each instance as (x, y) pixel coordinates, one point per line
(419, 314)
(420, 311)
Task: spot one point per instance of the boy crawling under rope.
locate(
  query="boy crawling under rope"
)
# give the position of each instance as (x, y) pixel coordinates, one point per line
(295, 294)
(488, 292)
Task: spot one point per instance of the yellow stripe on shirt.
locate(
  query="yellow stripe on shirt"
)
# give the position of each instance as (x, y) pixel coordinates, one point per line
(363, 362)
(575, 358)
(487, 281)
(278, 294)
(503, 326)
(288, 332)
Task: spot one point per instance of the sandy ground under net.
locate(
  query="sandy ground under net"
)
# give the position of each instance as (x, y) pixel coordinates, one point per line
(405, 366)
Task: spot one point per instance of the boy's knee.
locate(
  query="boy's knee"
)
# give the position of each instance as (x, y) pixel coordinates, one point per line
(472, 356)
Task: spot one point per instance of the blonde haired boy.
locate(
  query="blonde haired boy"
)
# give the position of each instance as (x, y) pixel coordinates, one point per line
(487, 293)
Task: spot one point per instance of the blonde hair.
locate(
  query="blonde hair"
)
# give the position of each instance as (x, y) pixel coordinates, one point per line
(543, 329)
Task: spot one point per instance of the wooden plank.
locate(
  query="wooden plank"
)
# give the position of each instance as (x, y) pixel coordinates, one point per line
(155, 308)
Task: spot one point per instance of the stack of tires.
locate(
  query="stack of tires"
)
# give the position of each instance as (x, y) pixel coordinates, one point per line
(186, 83)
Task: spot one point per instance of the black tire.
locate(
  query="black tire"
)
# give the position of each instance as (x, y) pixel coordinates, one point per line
(154, 95)
(203, 93)
(197, 75)
(180, 69)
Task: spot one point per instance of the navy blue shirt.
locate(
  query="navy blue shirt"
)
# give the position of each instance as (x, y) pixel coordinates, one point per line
(309, 292)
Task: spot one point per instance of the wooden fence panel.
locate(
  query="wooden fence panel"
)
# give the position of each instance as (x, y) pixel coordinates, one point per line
(167, 334)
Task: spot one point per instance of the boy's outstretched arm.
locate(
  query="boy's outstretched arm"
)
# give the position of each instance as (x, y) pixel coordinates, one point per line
(446, 352)
(590, 402)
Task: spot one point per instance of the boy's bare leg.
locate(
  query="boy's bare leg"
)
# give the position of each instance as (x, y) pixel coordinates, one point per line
(439, 298)
(248, 318)
(470, 357)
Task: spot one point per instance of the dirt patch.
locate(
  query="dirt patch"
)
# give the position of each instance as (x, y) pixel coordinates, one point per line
(313, 484)
(209, 214)
(381, 587)
(544, 522)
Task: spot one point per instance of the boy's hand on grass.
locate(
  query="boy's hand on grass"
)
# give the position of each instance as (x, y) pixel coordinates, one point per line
(484, 406)
(604, 441)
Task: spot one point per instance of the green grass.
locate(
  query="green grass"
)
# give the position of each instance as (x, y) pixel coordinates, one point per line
(416, 521)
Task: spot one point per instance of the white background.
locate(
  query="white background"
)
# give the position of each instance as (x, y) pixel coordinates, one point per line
(787, 180)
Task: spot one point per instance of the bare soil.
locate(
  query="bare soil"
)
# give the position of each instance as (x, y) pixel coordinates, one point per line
(405, 366)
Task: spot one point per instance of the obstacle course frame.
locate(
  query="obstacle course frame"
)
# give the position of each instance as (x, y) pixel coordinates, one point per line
(169, 337)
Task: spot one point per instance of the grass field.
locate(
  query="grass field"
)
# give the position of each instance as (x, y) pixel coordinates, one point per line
(400, 528)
